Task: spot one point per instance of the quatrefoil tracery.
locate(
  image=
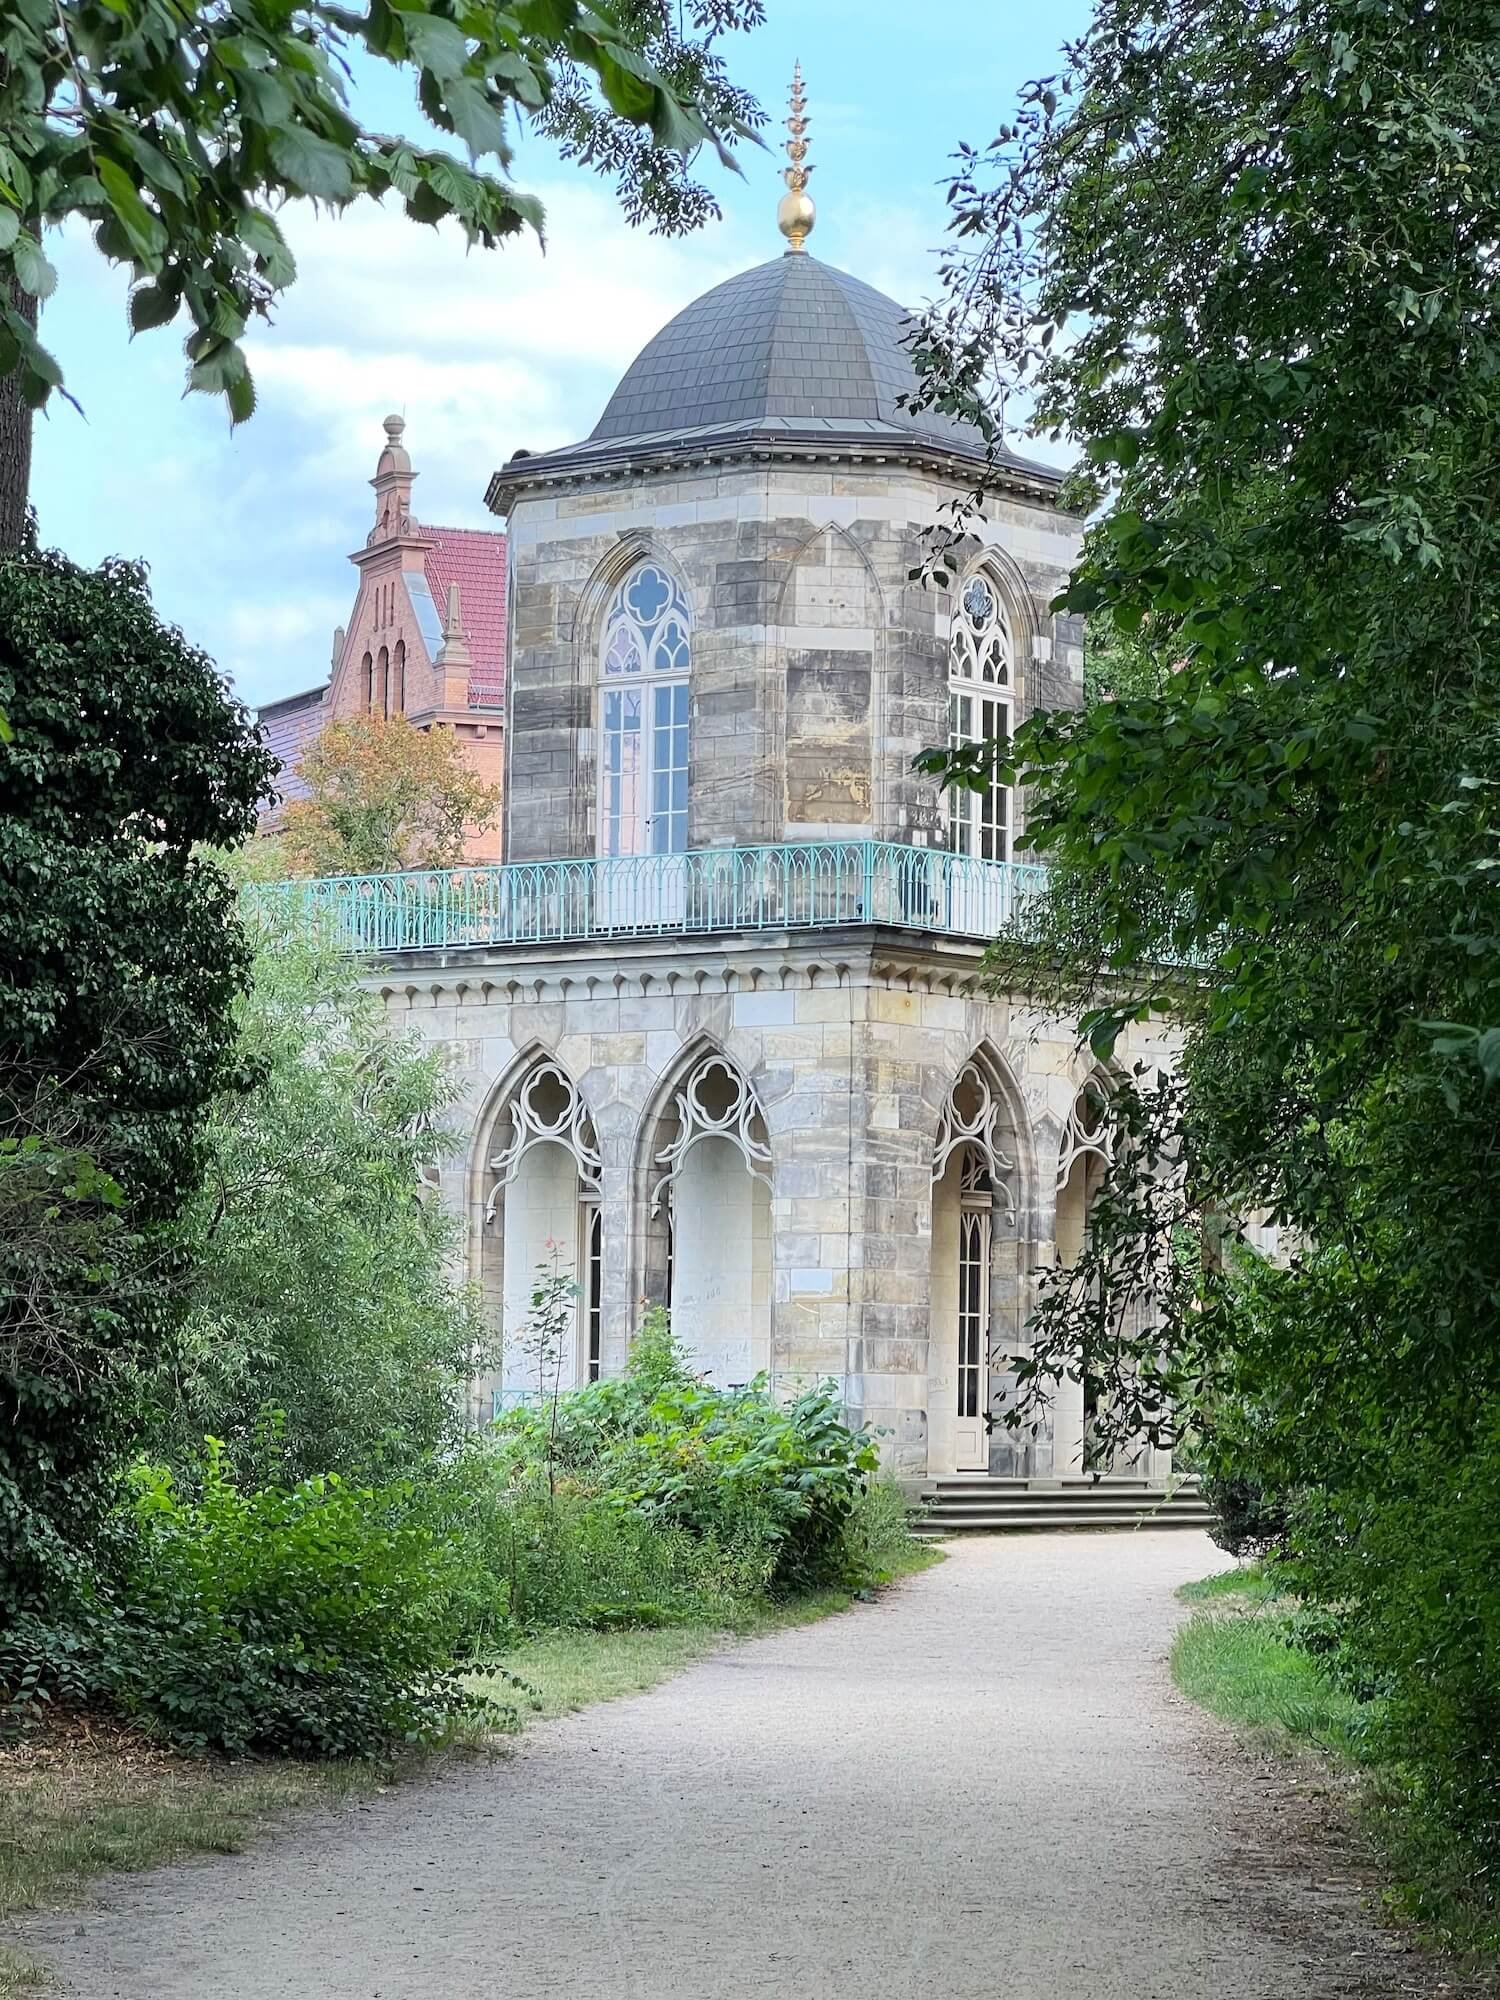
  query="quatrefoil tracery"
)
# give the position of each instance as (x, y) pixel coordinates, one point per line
(713, 1102)
(545, 1109)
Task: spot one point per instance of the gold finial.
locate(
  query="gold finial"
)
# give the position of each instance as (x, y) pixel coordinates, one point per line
(795, 214)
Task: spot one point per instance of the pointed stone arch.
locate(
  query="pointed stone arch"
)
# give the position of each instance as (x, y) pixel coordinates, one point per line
(703, 1169)
(982, 1183)
(634, 546)
(535, 1182)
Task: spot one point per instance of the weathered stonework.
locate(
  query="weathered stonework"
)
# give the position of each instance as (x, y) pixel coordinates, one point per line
(833, 1148)
(852, 1043)
(819, 665)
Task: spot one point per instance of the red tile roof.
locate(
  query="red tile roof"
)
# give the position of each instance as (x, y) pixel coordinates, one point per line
(474, 559)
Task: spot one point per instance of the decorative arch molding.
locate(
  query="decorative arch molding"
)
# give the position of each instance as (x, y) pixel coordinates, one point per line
(840, 532)
(1025, 630)
(633, 547)
(975, 1117)
(543, 1107)
(1086, 1134)
(714, 1099)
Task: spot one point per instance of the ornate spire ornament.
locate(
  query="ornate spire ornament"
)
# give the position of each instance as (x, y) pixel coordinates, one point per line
(795, 214)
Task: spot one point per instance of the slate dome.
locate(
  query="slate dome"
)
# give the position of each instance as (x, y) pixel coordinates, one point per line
(791, 358)
(791, 341)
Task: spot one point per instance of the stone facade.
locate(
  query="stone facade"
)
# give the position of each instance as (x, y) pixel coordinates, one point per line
(852, 1043)
(819, 664)
(830, 1147)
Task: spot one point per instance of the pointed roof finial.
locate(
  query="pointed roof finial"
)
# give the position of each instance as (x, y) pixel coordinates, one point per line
(795, 214)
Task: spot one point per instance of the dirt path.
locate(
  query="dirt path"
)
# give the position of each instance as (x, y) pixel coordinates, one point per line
(981, 1788)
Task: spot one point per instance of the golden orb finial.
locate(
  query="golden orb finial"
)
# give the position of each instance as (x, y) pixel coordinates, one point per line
(795, 214)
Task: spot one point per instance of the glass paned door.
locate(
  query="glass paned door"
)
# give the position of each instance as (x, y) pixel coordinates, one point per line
(666, 824)
(644, 804)
(980, 821)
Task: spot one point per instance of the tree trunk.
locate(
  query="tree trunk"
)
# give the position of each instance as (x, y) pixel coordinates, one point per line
(15, 442)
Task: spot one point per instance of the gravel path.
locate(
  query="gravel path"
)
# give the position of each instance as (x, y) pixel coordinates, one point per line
(980, 1788)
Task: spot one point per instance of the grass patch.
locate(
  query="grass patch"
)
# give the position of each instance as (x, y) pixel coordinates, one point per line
(1243, 1670)
(1235, 1661)
(90, 1798)
(1251, 1581)
(574, 1668)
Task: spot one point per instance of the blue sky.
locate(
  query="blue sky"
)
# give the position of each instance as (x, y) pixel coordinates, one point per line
(247, 533)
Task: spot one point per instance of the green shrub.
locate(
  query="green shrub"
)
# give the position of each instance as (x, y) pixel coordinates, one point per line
(315, 1620)
(877, 1535)
(734, 1469)
(581, 1559)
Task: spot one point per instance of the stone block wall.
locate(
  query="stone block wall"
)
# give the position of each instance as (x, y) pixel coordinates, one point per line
(851, 1042)
(819, 665)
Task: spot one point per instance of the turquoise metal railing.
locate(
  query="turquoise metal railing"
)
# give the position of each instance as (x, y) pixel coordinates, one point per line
(802, 885)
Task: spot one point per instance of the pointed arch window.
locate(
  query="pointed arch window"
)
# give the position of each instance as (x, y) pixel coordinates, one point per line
(544, 1212)
(980, 669)
(644, 665)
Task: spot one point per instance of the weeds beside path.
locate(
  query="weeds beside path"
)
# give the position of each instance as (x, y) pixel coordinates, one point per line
(90, 1798)
(1240, 1657)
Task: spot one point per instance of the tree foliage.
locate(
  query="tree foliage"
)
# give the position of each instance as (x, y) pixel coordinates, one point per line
(383, 795)
(120, 958)
(176, 130)
(1246, 256)
(325, 1330)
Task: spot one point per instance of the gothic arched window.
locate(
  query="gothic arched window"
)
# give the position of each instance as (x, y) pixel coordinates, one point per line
(645, 657)
(980, 659)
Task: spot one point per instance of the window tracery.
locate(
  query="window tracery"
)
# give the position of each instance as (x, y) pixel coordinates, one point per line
(645, 659)
(648, 628)
(713, 1102)
(972, 1118)
(545, 1109)
(979, 681)
(980, 644)
(1088, 1133)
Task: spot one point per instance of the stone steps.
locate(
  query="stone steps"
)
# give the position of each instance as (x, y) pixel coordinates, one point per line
(976, 1505)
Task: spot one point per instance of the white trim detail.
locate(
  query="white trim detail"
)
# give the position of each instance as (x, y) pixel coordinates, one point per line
(1082, 1139)
(977, 1129)
(535, 1122)
(699, 1120)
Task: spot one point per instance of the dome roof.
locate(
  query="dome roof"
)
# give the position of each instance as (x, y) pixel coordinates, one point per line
(791, 339)
(792, 358)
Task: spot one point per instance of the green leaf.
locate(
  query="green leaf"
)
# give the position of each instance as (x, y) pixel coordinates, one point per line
(33, 272)
(143, 230)
(10, 227)
(312, 166)
(219, 364)
(153, 305)
(260, 236)
(626, 93)
(476, 121)
(436, 43)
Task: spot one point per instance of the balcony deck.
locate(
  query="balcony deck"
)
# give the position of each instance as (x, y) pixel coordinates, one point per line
(805, 885)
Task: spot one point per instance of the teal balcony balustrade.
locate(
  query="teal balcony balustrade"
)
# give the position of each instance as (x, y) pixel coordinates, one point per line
(803, 885)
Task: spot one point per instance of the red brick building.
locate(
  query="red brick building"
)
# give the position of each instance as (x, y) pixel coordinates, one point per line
(426, 638)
